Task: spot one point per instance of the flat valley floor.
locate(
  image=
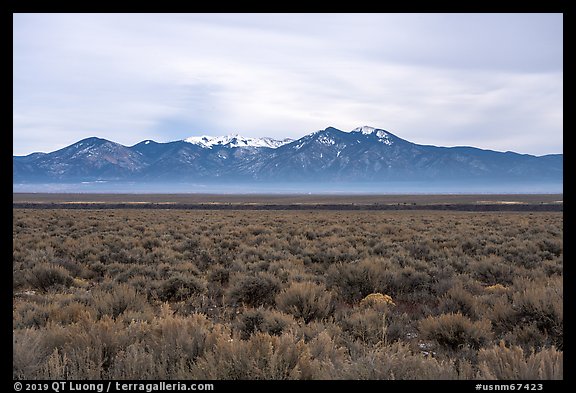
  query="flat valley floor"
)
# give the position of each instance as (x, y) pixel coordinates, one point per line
(151, 293)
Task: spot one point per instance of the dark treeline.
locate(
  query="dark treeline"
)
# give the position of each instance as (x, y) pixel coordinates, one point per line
(488, 207)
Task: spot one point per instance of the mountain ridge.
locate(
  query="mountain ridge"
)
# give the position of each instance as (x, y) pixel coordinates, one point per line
(365, 154)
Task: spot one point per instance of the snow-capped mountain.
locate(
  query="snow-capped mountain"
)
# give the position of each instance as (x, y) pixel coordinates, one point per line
(382, 135)
(235, 140)
(365, 154)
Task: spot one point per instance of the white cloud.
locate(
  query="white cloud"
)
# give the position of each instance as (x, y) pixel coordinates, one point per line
(435, 79)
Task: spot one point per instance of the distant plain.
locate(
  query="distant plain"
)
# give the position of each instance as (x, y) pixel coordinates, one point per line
(290, 199)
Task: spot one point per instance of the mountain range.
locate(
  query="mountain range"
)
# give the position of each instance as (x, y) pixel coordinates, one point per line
(365, 154)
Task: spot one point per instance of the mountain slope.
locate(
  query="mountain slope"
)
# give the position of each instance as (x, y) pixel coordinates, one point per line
(364, 154)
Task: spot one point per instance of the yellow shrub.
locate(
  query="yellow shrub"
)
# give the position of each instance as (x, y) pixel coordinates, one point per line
(496, 288)
(377, 298)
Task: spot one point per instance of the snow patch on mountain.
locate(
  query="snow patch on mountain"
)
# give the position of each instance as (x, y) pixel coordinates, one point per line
(326, 140)
(366, 130)
(235, 140)
(383, 136)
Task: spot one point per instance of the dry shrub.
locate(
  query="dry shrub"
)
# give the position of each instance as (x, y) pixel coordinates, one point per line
(497, 289)
(70, 313)
(87, 298)
(542, 304)
(410, 280)
(396, 361)
(367, 325)
(254, 291)
(331, 355)
(512, 363)
(191, 336)
(261, 357)
(306, 300)
(352, 281)
(458, 300)
(180, 287)
(375, 299)
(219, 275)
(45, 276)
(30, 314)
(28, 353)
(456, 331)
(527, 336)
(264, 320)
(492, 270)
(75, 364)
(120, 299)
(552, 246)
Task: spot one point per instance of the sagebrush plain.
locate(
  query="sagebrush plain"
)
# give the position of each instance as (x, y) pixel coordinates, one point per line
(243, 294)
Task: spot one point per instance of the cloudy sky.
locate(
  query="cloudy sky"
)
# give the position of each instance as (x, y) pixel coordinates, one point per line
(492, 81)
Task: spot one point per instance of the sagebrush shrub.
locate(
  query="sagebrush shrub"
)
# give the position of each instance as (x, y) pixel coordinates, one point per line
(458, 300)
(543, 306)
(180, 287)
(120, 299)
(259, 319)
(45, 276)
(456, 331)
(261, 357)
(367, 325)
(513, 363)
(253, 291)
(306, 300)
(352, 281)
(123, 294)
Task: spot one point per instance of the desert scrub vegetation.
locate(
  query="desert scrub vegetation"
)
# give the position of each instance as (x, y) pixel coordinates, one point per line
(179, 294)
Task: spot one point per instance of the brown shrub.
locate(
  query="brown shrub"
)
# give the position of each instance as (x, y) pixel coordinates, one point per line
(542, 305)
(253, 291)
(396, 361)
(45, 276)
(512, 363)
(180, 287)
(306, 300)
(261, 357)
(120, 299)
(95, 310)
(259, 319)
(352, 281)
(455, 331)
(367, 325)
(458, 300)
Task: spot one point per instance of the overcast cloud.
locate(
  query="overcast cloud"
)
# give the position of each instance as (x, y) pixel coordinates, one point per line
(492, 81)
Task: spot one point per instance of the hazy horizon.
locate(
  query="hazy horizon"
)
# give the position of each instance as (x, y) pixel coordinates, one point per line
(342, 188)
